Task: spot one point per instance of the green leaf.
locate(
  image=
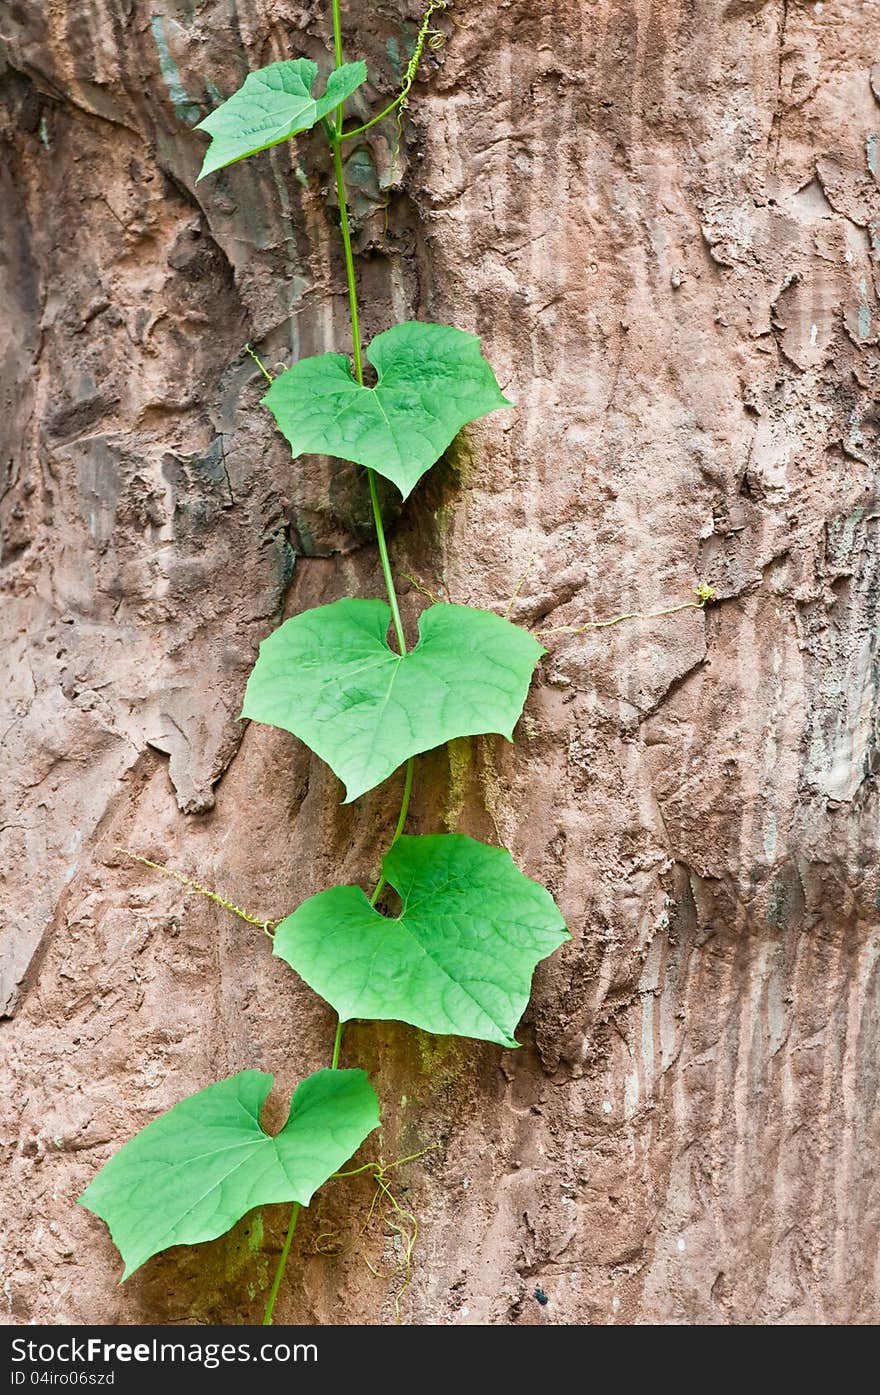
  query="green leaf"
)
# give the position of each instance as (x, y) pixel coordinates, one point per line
(274, 104)
(432, 381)
(330, 677)
(197, 1169)
(457, 960)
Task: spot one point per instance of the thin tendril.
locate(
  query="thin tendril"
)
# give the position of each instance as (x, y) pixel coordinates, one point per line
(435, 39)
(259, 362)
(267, 926)
(704, 593)
(420, 586)
(399, 1219)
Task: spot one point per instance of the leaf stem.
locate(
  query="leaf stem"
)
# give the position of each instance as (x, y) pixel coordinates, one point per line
(282, 1264)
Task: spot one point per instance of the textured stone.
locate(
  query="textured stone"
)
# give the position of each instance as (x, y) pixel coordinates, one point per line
(663, 219)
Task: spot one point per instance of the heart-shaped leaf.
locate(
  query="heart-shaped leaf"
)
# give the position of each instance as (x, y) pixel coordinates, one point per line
(199, 1168)
(432, 381)
(330, 677)
(459, 958)
(272, 105)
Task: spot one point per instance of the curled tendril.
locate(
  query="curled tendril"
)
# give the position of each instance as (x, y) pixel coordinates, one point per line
(399, 1222)
(434, 39)
(252, 353)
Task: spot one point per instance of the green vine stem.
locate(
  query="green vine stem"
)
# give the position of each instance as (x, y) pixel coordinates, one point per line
(349, 261)
(337, 1044)
(386, 565)
(404, 809)
(282, 1265)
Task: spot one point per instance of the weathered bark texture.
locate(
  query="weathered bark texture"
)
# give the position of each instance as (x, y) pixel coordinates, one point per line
(664, 219)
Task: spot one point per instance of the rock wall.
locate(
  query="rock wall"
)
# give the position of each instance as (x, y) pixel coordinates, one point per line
(664, 219)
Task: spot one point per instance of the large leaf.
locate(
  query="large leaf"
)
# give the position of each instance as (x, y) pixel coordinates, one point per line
(432, 381)
(457, 960)
(200, 1167)
(273, 104)
(330, 677)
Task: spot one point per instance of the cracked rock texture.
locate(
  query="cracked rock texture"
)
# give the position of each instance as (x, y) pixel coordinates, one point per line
(664, 219)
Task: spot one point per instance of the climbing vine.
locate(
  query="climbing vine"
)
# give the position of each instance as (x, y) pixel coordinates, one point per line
(459, 956)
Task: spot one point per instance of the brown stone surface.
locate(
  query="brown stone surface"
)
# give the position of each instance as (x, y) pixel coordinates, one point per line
(664, 219)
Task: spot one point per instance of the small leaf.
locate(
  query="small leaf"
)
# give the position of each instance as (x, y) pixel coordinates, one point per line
(432, 381)
(330, 677)
(273, 104)
(457, 960)
(197, 1169)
